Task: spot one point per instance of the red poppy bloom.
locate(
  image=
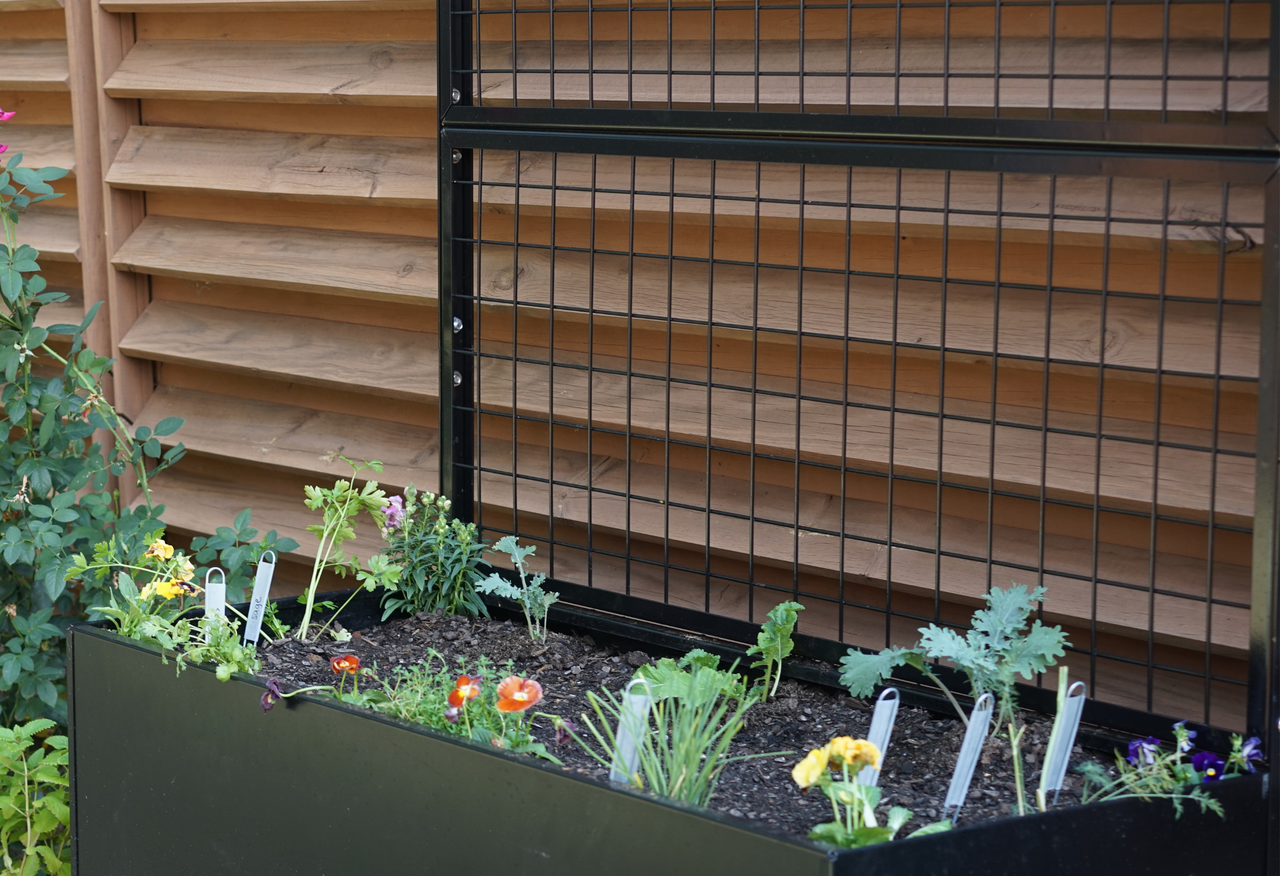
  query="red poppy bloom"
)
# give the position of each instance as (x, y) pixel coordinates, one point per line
(346, 663)
(467, 688)
(516, 694)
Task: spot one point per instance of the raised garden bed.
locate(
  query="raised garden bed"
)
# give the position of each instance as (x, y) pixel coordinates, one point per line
(185, 774)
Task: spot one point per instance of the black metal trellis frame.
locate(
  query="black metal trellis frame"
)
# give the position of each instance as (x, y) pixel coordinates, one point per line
(1218, 153)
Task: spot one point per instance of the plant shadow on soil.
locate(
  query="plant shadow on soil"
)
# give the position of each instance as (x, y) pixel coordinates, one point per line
(916, 772)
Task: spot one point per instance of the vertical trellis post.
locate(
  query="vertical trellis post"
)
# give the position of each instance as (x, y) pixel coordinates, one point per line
(456, 301)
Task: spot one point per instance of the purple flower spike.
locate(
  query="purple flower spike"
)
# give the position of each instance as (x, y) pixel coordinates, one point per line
(563, 729)
(1208, 765)
(393, 512)
(451, 714)
(1142, 752)
(272, 696)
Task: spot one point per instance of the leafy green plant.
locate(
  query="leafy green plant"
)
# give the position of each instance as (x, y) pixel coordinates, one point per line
(773, 643)
(535, 601)
(440, 556)
(340, 506)
(217, 640)
(35, 818)
(853, 805)
(684, 746)
(234, 550)
(992, 654)
(1153, 772)
(668, 679)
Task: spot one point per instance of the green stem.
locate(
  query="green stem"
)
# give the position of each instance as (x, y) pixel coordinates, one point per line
(327, 539)
(1015, 742)
(938, 681)
(338, 612)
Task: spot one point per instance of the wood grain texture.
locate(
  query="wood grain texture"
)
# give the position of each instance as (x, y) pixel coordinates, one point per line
(184, 6)
(56, 233)
(27, 5)
(397, 172)
(374, 266)
(641, 72)
(867, 199)
(43, 145)
(1133, 333)
(378, 74)
(390, 363)
(33, 65)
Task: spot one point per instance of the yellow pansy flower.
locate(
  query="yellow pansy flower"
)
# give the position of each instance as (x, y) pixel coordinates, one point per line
(169, 589)
(856, 753)
(186, 570)
(812, 768)
(147, 592)
(159, 550)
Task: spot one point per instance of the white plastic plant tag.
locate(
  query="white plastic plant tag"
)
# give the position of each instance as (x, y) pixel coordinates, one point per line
(970, 750)
(215, 593)
(1059, 754)
(881, 729)
(632, 724)
(261, 592)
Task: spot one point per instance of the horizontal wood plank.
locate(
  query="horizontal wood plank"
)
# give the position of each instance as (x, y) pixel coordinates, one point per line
(679, 72)
(183, 6)
(34, 65)
(390, 363)
(56, 233)
(398, 172)
(372, 74)
(28, 5)
(43, 145)
(380, 267)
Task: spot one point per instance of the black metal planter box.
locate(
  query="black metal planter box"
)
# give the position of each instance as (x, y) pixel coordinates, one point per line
(185, 775)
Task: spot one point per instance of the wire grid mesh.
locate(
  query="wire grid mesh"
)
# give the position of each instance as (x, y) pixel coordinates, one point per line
(720, 385)
(1140, 60)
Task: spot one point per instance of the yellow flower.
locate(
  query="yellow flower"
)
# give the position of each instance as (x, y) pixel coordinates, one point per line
(159, 550)
(147, 592)
(169, 589)
(812, 768)
(188, 571)
(856, 753)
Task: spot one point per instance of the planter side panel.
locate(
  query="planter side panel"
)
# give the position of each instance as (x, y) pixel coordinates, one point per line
(1122, 837)
(186, 775)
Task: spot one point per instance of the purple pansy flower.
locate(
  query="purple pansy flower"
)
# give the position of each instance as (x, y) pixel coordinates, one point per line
(272, 696)
(451, 714)
(563, 730)
(1184, 736)
(1143, 751)
(1208, 765)
(1250, 751)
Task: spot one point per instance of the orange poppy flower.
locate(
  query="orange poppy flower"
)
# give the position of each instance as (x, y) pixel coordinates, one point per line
(467, 688)
(346, 663)
(516, 694)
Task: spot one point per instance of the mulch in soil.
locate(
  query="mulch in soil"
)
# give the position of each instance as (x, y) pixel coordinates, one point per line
(916, 772)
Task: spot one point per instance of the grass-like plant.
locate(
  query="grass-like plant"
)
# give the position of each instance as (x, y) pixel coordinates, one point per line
(439, 555)
(995, 651)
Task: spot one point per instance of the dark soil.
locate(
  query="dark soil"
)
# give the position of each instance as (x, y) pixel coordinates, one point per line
(917, 766)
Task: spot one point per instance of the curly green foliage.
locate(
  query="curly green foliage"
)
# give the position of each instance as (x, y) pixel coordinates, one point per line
(35, 818)
(440, 558)
(535, 601)
(773, 643)
(999, 648)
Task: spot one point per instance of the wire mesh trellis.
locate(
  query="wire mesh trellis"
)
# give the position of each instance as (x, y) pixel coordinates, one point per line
(709, 360)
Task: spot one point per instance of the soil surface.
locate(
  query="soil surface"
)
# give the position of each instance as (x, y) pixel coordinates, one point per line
(917, 767)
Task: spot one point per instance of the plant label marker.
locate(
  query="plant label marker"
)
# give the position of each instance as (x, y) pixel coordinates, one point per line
(881, 729)
(632, 724)
(1059, 754)
(261, 590)
(215, 594)
(970, 749)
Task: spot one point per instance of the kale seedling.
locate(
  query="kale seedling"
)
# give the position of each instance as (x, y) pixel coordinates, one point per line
(532, 598)
(695, 678)
(773, 643)
(995, 651)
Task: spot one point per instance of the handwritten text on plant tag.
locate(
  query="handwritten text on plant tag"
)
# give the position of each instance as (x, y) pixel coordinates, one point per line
(215, 593)
(632, 725)
(261, 591)
(881, 729)
(970, 750)
(1059, 753)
